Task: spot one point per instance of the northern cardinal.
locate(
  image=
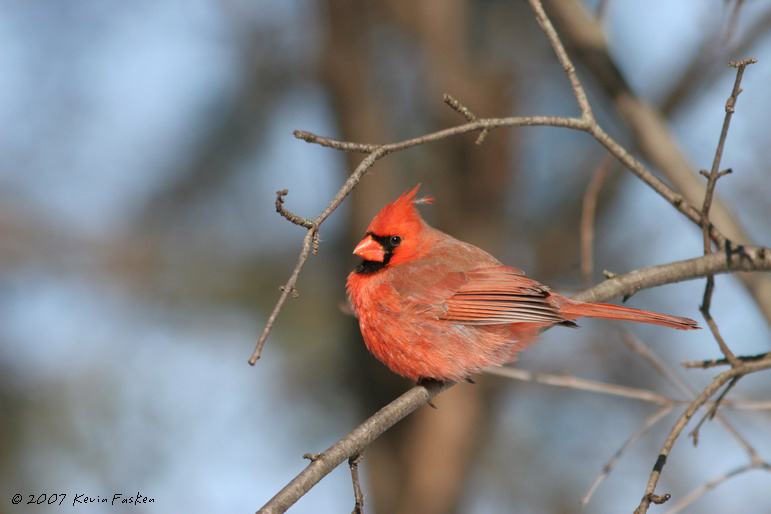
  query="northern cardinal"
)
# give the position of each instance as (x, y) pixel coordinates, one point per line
(433, 307)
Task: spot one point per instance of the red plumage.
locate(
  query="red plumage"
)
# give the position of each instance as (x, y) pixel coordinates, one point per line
(431, 306)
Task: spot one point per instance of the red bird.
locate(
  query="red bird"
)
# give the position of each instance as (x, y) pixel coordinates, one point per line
(430, 306)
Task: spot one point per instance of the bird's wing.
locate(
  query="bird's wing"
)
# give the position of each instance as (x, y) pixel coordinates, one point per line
(428, 281)
(499, 295)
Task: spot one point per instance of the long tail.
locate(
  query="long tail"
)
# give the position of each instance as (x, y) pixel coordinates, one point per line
(608, 311)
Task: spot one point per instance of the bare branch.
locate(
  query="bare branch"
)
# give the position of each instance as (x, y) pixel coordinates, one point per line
(581, 384)
(286, 290)
(710, 414)
(608, 467)
(310, 243)
(352, 444)
(479, 124)
(698, 493)
(297, 220)
(466, 113)
(732, 21)
(739, 370)
(562, 57)
(353, 463)
(749, 259)
(665, 371)
(333, 143)
(711, 363)
(589, 206)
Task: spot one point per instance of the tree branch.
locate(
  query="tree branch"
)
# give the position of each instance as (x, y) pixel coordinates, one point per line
(756, 258)
(588, 208)
(608, 467)
(352, 444)
(697, 493)
(736, 371)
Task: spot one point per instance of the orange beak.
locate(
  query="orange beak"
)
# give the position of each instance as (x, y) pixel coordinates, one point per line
(370, 250)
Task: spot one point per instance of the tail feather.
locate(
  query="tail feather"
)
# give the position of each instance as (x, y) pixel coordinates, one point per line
(608, 311)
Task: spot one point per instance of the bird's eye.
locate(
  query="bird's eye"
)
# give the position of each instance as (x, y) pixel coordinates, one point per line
(395, 241)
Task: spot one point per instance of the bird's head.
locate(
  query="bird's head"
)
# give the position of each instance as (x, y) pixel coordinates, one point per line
(394, 235)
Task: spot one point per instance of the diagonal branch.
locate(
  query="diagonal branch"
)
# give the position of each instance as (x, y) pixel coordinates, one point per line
(608, 467)
(719, 381)
(697, 493)
(562, 57)
(352, 444)
(588, 209)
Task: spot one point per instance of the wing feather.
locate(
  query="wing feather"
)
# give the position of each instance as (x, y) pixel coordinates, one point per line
(500, 295)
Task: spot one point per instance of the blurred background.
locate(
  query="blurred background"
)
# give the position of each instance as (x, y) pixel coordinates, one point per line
(140, 253)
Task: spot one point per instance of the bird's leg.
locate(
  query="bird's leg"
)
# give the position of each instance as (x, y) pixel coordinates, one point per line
(425, 382)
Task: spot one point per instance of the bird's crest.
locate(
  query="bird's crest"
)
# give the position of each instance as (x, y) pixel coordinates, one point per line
(400, 216)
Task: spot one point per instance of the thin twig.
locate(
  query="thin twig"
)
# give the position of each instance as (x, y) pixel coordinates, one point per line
(345, 146)
(684, 387)
(466, 113)
(286, 290)
(641, 349)
(635, 166)
(704, 308)
(352, 444)
(741, 369)
(479, 124)
(698, 493)
(589, 207)
(601, 10)
(458, 107)
(753, 259)
(670, 375)
(710, 414)
(586, 125)
(608, 467)
(353, 463)
(582, 384)
(711, 363)
(310, 244)
(564, 60)
(294, 218)
(732, 22)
